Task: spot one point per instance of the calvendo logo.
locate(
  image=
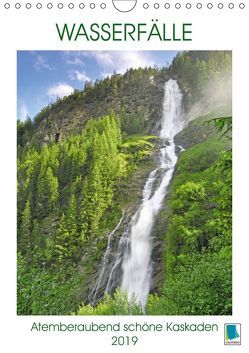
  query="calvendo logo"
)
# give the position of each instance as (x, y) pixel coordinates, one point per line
(232, 334)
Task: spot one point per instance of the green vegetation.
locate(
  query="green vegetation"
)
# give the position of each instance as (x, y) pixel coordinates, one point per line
(76, 174)
(136, 97)
(118, 304)
(204, 74)
(198, 268)
(66, 194)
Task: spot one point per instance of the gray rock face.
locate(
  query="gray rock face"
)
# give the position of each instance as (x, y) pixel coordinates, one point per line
(69, 115)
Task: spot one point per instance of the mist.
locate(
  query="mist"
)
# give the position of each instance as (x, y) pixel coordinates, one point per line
(217, 95)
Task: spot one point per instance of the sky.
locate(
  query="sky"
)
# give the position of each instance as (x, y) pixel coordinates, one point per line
(42, 76)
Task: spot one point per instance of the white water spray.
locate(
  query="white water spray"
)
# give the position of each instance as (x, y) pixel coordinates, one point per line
(94, 292)
(136, 264)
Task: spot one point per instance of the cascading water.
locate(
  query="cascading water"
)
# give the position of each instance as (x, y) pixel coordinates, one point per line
(133, 256)
(137, 261)
(94, 292)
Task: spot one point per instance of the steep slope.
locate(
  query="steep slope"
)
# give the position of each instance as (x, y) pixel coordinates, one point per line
(191, 239)
(78, 177)
(196, 227)
(135, 96)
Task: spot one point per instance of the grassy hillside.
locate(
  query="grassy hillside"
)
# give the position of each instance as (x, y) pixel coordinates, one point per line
(197, 272)
(195, 225)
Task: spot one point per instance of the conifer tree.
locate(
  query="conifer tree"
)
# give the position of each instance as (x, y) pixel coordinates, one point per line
(35, 236)
(47, 193)
(67, 241)
(25, 231)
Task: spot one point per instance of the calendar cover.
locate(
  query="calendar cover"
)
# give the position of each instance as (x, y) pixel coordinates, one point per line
(124, 175)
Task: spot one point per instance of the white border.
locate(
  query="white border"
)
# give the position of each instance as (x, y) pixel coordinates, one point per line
(34, 30)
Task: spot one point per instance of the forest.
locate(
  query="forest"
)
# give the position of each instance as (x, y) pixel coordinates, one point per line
(82, 164)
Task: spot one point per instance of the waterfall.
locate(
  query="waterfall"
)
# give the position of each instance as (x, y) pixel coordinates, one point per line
(136, 264)
(94, 292)
(132, 268)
